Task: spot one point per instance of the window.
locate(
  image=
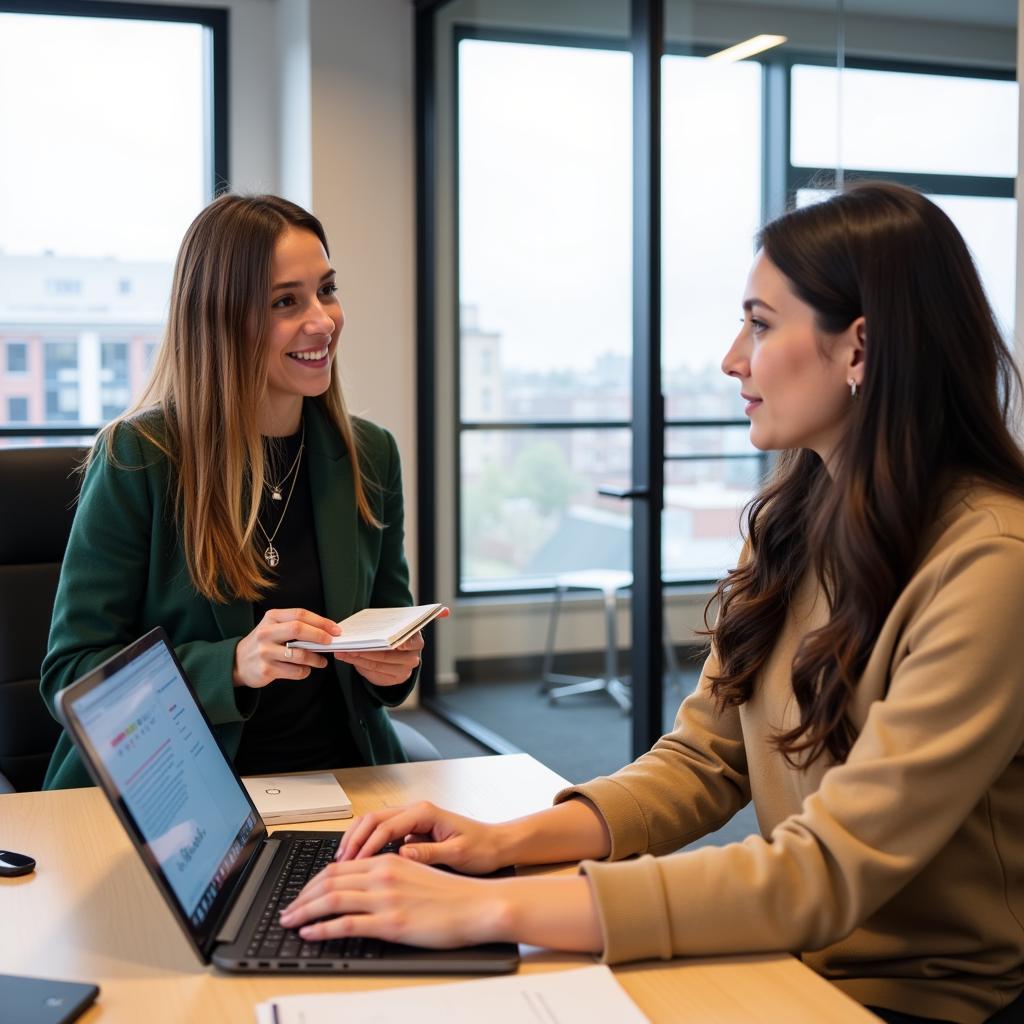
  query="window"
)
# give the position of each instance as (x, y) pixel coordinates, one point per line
(63, 286)
(17, 409)
(115, 390)
(60, 380)
(877, 105)
(545, 328)
(86, 251)
(17, 357)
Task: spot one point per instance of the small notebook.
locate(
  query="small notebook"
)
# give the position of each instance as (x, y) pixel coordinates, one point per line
(377, 629)
(281, 799)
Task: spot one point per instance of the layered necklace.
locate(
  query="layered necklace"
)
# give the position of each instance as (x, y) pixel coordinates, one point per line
(271, 555)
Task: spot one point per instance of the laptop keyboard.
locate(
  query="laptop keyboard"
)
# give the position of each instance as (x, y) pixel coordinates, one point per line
(271, 941)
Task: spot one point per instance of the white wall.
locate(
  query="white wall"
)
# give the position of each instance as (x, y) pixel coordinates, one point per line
(363, 189)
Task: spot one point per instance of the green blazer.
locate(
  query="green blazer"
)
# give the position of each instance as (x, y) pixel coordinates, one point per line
(124, 572)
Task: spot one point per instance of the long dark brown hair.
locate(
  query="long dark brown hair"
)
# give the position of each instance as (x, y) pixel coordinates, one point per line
(938, 393)
(209, 380)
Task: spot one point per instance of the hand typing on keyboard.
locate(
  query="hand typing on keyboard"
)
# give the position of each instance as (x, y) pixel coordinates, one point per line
(430, 835)
(393, 898)
(397, 897)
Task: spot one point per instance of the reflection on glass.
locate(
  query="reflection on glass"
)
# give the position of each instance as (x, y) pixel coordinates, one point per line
(711, 187)
(899, 121)
(93, 209)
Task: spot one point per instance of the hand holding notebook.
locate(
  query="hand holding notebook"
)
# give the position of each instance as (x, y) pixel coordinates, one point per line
(378, 629)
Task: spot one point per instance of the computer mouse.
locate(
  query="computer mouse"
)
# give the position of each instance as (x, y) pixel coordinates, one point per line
(12, 864)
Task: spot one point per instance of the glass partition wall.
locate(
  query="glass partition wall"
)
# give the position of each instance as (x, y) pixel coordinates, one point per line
(591, 179)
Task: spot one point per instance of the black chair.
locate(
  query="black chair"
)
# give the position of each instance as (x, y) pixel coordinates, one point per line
(39, 486)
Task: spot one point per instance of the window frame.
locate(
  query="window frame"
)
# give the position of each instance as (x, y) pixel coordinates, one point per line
(217, 20)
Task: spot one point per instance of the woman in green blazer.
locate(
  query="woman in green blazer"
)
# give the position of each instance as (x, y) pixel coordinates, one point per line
(239, 506)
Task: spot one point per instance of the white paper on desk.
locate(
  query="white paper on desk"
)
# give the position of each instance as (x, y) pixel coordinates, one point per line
(587, 995)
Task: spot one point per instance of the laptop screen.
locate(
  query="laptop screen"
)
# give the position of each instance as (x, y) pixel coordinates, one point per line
(192, 820)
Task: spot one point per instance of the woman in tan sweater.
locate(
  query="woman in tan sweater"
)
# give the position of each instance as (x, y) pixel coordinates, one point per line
(865, 686)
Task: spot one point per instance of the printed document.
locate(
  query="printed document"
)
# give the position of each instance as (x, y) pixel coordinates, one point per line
(587, 995)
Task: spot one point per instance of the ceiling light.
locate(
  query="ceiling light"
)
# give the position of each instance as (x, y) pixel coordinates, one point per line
(747, 48)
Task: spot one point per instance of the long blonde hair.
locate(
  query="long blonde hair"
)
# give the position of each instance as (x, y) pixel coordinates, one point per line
(208, 382)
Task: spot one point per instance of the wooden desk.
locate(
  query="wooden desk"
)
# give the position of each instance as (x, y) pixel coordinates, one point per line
(91, 913)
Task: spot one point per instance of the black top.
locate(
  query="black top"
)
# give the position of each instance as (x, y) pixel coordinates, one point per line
(299, 724)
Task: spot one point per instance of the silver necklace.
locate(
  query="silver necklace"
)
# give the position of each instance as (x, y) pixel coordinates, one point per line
(275, 489)
(271, 555)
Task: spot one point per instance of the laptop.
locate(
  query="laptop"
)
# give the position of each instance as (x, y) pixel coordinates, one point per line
(148, 745)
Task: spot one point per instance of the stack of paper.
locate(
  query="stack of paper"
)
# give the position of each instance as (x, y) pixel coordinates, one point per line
(589, 995)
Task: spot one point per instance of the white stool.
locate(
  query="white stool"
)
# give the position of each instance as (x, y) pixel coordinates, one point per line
(558, 685)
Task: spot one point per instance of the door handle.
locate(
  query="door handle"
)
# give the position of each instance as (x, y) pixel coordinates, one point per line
(624, 492)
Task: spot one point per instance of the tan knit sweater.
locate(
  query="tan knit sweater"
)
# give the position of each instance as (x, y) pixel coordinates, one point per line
(898, 875)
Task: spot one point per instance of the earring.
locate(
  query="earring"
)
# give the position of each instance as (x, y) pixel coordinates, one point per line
(853, 388)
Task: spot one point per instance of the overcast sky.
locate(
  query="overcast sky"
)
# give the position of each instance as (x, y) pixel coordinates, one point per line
(134, 87)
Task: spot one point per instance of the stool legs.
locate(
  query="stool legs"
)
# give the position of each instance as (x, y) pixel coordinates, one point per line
(558, 685)
(547, 669)
(572, 685)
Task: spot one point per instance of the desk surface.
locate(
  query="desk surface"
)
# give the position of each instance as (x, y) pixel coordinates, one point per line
(91, 913)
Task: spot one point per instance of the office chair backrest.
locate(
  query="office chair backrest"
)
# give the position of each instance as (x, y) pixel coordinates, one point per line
(38, 487)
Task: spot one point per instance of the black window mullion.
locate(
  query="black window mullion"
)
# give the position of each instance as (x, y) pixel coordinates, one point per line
(648, 41)
(426, 284)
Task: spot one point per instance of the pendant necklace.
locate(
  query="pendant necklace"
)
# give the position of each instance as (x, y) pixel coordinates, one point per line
(276, 489)
(271, 555)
